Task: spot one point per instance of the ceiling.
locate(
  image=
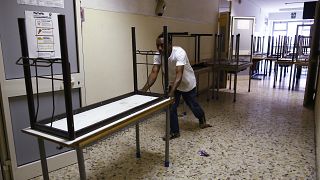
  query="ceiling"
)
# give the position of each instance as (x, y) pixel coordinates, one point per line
(280, 5)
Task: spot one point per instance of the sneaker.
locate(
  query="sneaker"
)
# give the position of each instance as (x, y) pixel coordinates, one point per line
(171, 136)
(204, 125)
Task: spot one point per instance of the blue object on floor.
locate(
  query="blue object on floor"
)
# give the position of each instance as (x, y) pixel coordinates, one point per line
(203, 153)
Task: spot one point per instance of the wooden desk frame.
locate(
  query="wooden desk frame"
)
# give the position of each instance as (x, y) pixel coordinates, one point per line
(90, 138)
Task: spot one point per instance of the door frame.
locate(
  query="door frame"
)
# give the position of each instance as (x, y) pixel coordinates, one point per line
(16, 87)
(243, 52)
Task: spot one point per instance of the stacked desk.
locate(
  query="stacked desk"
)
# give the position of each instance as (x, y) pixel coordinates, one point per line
(283, 63)
(232, 67)
(202, 68)
(83, 119)
(255, 60)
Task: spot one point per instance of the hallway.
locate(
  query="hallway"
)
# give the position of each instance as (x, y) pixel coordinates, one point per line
(266, 134)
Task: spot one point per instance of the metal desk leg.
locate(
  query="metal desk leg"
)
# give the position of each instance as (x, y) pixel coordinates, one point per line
(218, 85)
(250, 74)
(275, 74)
(208, 91)
(235, 86)
(166, 161)
(82, 168)
(265, 72)
(290, 76)
(213, 84)
(230, 76)
(43, 159)
(138, 155)
(270, 68)
(294, 78)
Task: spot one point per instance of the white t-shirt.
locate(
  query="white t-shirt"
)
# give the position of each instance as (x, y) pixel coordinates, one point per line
(179, 57)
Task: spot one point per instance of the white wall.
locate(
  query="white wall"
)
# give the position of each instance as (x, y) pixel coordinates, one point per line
(107, 46)
(285, 16)
(251, 9)
(199, 10)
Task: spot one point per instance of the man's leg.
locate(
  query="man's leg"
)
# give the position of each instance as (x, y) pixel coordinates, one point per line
(191, 101)
(174, 124)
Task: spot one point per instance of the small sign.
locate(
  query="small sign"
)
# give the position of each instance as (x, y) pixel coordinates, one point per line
(43, 34)
(293, 15)
(45, 3)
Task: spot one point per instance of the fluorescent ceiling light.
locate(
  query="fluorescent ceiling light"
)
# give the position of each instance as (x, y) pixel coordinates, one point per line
(288, 3)
(291, 9)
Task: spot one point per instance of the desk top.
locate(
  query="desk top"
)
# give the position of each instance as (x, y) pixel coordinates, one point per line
(202, 70)
(95, 114)
(259, 57)
(231, 65)
(287, 61)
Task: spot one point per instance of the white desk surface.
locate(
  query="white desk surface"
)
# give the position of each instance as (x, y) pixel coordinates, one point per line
(100, 113)
(95, 115)
(203, 70)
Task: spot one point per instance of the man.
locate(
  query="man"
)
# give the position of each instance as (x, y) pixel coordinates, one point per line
(182, 82)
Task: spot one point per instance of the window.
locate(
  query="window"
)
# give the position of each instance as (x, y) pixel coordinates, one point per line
(289, 28)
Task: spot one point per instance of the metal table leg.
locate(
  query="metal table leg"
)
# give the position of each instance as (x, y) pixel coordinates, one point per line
(208, 91)
(250, 74)
(43, 159)
(82, 168)
(166, 161)
(230, 76)
(213, 84)
(218, 85)
(138, 155)
(235, 86)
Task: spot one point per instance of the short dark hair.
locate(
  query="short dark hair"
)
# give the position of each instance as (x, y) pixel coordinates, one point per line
(169, 37)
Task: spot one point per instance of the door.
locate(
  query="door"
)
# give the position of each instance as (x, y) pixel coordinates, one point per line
(1, 178)
(245, 27)
(224, 30)
(23, 148)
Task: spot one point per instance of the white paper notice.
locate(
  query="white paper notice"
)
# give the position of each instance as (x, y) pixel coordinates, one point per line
(51, 3)
(45, 3)
(28, 2)
(43, 34)
(243, 24)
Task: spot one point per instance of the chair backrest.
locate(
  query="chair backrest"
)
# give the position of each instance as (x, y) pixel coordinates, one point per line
(303, 47)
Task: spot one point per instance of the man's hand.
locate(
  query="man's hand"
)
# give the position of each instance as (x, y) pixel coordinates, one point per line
(171, 94)
(144, 89)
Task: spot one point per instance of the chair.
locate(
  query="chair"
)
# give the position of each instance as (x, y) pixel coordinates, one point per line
(301, 57)
(284, 59)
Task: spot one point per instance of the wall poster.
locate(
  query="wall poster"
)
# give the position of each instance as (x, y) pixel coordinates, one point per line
(45, 3)
(42, 34)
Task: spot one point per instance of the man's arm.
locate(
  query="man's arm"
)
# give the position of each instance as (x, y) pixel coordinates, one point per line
(152, 77)
(177, 81)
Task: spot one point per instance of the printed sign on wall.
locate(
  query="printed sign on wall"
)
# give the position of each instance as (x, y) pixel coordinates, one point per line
(43, 34)
(45, 3)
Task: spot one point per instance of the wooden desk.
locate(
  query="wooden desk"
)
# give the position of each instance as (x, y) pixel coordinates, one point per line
(204, 68)
(256, 59)
(229, 67)
(270, 59)
(297, 70)
(104, 131)
(282, 62)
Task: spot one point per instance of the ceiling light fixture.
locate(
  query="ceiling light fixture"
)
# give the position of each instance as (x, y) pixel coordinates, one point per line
(291, 9)
(288, 3)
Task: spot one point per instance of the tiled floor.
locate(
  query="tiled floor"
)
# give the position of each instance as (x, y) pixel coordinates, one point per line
(266, 134)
